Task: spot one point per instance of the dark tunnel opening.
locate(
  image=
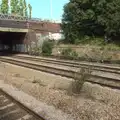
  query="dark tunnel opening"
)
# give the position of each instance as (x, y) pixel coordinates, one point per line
(12, 43)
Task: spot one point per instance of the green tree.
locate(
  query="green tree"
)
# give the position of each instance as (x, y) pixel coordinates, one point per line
(4, 7)
(30, 10)
(21, 6)
(25, 9)
(14, 4)
(90, 17)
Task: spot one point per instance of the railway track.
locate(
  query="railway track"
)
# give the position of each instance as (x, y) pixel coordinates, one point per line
(96, 67)
(93, 78)
(11, 109)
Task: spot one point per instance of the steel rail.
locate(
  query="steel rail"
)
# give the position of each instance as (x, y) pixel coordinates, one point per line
(103, 68)
(21, 105)
(101, 80)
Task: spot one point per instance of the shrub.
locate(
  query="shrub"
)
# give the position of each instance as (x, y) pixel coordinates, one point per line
(69, 53)
(66, 52)
(35, 51)
(47, 48)
(80, 78)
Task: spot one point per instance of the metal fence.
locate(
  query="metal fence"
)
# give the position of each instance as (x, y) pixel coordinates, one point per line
(18, 18)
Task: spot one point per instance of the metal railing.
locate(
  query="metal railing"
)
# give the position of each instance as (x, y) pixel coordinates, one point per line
(18, 18)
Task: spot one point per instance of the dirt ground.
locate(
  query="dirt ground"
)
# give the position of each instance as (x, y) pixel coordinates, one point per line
(94, 102)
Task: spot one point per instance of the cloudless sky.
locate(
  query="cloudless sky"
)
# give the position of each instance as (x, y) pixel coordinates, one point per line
(41, 8)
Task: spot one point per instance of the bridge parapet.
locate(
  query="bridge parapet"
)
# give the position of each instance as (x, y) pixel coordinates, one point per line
(13, 24)
(18, 18)
(34, 24)
(15, 21)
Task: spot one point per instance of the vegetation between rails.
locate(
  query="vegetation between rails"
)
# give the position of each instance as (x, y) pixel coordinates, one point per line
(80, 78)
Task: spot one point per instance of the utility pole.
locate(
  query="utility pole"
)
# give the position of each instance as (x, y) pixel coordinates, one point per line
(51, 11)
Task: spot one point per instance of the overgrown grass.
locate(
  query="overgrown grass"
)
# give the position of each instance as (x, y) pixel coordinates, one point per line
(98, 42)
(91, 49)
(90, 40)
(111, 47)
(93, 55)
(36, 51)
(97, 55)
(69, 53)
(94, 49)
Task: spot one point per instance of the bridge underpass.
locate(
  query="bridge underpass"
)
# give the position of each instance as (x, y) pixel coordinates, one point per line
(19, 34)
(13, 40)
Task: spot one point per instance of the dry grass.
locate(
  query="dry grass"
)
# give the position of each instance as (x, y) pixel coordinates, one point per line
(79, 81)
(95, 52)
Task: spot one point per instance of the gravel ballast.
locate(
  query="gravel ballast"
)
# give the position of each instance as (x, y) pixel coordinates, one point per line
(49, 112)
(94, 102)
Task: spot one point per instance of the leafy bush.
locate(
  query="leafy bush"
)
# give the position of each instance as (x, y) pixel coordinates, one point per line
(66, 52)
(69, 53)
(47, 48)
(36, 51)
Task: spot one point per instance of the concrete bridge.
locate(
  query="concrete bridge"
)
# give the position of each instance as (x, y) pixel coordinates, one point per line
(18, 33)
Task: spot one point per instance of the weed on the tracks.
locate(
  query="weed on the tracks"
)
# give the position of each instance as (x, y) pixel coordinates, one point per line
(80, 78)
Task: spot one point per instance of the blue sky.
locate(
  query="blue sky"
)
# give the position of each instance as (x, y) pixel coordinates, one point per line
(41, 8)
